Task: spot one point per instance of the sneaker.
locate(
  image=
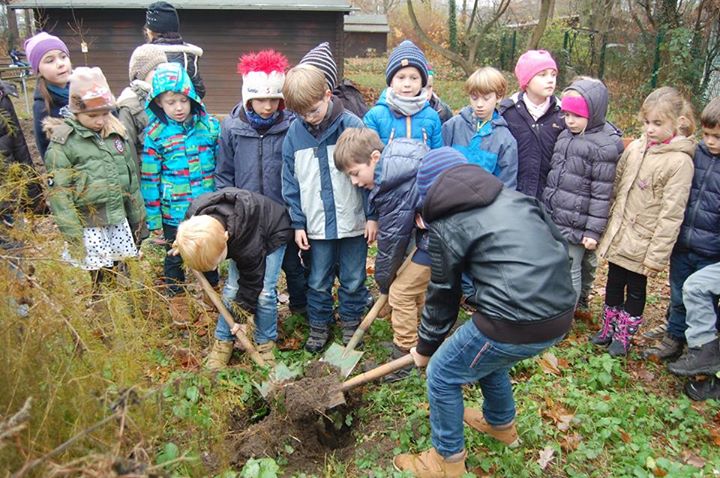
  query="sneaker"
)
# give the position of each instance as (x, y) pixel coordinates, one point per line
(348, 330)
(625, 327)
(266, 351)
(219, 356)
(657, 332)
(319, 336)
(475, 419)
(699, 390)
(604, 335)
(430, 464)
(703, 360)
(402, 373)
(669, 349)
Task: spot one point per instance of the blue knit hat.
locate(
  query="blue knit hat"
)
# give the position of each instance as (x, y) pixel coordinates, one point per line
(406, 54)
(433, 165)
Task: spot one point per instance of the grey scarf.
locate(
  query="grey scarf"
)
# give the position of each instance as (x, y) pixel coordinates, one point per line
(404, 105)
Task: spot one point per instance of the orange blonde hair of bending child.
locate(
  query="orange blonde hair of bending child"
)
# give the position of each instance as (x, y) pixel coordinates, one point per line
(201, 241)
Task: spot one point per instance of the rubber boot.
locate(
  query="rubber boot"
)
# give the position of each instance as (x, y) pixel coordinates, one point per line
(604, 335)
(626, 326)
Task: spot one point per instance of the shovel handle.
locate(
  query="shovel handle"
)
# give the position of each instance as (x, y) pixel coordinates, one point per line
(377, 372)
(366, 323)
(218, 303)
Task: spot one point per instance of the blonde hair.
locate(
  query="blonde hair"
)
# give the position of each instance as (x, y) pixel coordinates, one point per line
(486, 80)
(304, 86)
(686, 122)
(355, 146)
(669, 104)
(200, 241)
(710, 117)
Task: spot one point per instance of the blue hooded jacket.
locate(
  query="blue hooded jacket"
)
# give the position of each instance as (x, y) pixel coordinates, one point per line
(423, 126)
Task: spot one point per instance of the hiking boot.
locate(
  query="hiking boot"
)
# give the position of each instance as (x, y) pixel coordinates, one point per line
(625, 327)
(699, 390)
(604, 335)
(266, 352)
(698, 360)
(669, 349)
(319, 336)
(508, 434)
(656, 332)
(402, 373)
(348, 329)
(219, 356)
(430, 464)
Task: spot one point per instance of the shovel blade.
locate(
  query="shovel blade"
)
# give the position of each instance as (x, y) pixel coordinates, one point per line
(345, 360)
(280, 374)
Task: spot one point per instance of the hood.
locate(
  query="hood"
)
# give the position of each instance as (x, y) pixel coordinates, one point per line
(615, 133)
(679, 144)
(172, 77)
(177, 45)
(460, 188)
(398, 164)
(596, 96)
(59, 127)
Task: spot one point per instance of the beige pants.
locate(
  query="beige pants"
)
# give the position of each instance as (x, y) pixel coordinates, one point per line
(407, 298)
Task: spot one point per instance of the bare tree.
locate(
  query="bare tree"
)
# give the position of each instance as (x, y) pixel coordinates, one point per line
(11, 21)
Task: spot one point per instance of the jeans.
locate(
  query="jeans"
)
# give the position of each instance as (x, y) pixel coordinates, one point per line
(468, 288)
(465, 357)
(576, 253)
(173, 266)
(295, 276)
(346, 257)
(700, 295)
(266, 310)
(617, 280)
(682, 265)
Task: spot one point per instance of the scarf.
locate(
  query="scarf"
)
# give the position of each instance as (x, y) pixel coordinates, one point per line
(536, 111)
(62, 93)
(404, 105)
(260, 123)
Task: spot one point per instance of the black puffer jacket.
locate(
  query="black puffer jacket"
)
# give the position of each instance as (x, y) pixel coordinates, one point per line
(257, 226)
(582, 170)
(516, 257)
(186, 54)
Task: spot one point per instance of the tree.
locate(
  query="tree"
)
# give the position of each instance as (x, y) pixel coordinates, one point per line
(14, 35)
(452, 25)
(546, 8)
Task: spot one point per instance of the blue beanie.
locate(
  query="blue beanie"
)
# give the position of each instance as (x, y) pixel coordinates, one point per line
(406, 54)
(433, 165)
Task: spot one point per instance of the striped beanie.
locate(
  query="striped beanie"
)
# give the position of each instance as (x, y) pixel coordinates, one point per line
(406, 54)
(321, 57)
(436, 162)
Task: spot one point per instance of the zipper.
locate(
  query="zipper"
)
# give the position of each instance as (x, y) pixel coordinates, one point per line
(408, 127)
(260, 156)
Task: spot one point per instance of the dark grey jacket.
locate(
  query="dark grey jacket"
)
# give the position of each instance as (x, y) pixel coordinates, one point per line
(516, 257)
(582, 170)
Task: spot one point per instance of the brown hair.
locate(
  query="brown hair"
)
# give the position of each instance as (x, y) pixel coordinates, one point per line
(486, 80)
(45, 93)
(669, 104)
(304, 86)
(355, 146)
(710, 117)
(200, 241)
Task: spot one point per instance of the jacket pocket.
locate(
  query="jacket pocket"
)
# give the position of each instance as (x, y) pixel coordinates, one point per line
(634, 241)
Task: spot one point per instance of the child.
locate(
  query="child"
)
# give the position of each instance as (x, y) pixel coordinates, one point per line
(443, 110)
(402, 111)
(480, 133)
(389, 174)
(325, 210)
(698, 244)
(178, 161)
(250, 152)
(252, 230)
(50, 61)
(582, 172)
(533, 116)
(94, 193)
(651, 190)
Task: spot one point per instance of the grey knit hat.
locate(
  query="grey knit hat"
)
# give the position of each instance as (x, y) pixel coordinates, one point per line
(406, 54)
(144, 59)
(321, 57)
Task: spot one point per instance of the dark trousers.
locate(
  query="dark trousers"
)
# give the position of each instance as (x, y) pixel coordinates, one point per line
(174, 274)
(621, 281)
(295, 275)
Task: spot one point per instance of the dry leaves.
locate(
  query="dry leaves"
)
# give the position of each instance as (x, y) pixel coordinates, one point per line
(549, 363)
(691, 459)
(546, 456)
(570, 442)
(560, 416)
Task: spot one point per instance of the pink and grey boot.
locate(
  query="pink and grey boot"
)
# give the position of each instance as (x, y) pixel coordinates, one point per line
(625, 327)
(604, 335)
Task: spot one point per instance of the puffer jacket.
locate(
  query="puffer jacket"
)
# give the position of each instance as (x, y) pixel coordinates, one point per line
(582, 171)
(187, 55)
(492, 147)
(395, 199)
(506, 243)
(131, 113)
(249, 160)
(40, 112)
(178, 160)
(700, 231)
(650, 193)
(93, 180)
(423, 126)
(257, 226)
(535, 141)
(443, 110)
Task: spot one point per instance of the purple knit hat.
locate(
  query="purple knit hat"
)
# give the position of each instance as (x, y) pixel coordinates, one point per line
(36, 47)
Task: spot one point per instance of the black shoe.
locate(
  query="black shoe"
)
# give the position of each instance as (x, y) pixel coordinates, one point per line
(669, 348)
(703, 360)
(318, 338)
(703, 390)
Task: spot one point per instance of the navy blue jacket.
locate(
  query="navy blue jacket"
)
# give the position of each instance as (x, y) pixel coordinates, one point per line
(40, 113)
(700, 230)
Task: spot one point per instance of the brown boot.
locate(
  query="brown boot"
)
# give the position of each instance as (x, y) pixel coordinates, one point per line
(219, 356)
(180, 310)
(430, 464)
(474, 418)
(266, 352)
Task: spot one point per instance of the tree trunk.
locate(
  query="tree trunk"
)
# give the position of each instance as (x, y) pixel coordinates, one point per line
(28, 23)
(545, 7)
(12, 25)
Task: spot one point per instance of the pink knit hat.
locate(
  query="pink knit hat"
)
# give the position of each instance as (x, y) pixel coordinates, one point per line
(530, 64)
(576, 105)
(36, 47)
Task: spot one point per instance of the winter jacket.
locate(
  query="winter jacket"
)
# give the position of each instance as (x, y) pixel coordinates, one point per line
(187, 55)
(249, 160)
(395, 200)
(423, 126)
(443, 110)
(492, 147)
(506, 243)
(650, 193)
(321, 199)
(700, 231)
(131, 113)
(582, 171)
(40, 112)
(535, 141)
(178, 160)
(351, 98)
(92, 178)
(257, 226)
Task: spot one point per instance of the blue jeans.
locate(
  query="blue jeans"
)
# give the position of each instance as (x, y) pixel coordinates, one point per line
(266, 309)
(465, 357)
(682, 265)
(468, 288)
(174, 274)
(346, 258)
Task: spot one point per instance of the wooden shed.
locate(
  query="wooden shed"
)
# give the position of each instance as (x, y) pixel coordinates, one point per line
(366, 35)
(224, 29)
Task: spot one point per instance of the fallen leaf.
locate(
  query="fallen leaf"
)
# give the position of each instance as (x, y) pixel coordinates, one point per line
(546, 456)
(625, 436)
(570, 442)
(549, 363)
(560, 416)
(691, 459)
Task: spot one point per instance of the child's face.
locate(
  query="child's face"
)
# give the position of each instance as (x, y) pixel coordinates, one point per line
(265, 107)
(576, 124)
(407, 82)
(658, 129)
(317, 112)
(175, 105)
(55, 67)
(363, 175)
(543, 84)
(711, 137)
(95, 121)
(483, 105)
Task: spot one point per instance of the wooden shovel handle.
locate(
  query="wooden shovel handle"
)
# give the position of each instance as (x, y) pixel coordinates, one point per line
(218, 303)
(366, 323)
(378, 372)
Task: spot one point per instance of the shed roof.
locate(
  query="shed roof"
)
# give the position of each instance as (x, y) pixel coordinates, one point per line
(366, 23)
(317, 5)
